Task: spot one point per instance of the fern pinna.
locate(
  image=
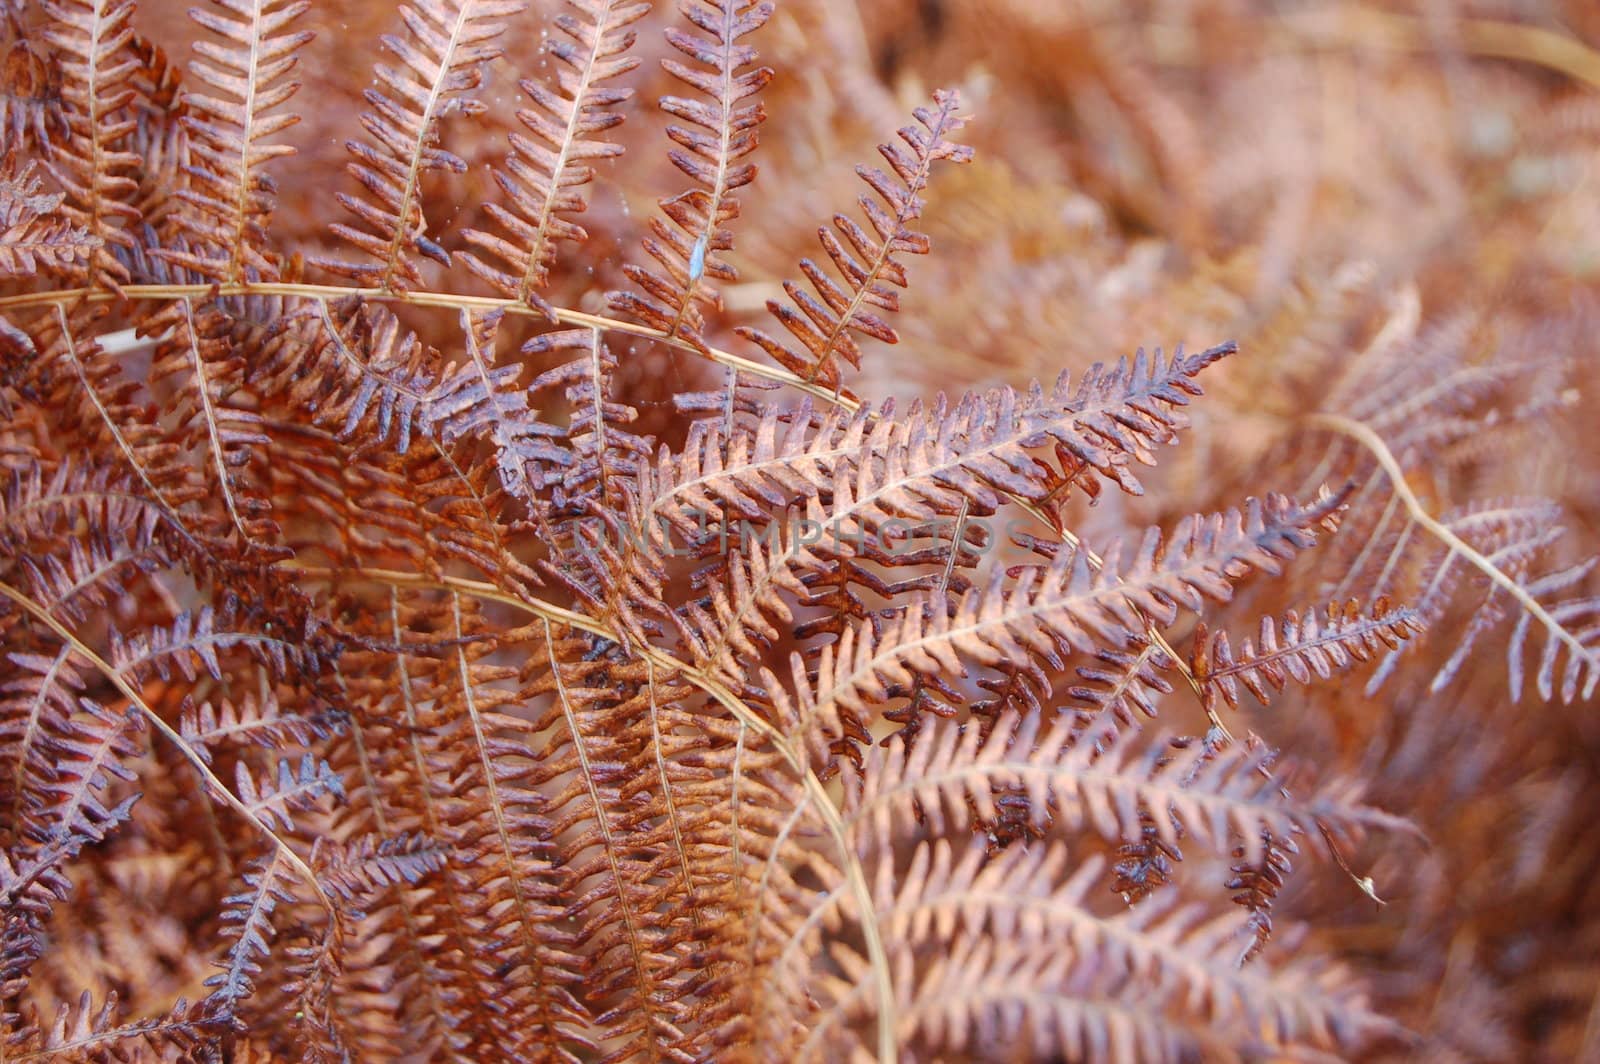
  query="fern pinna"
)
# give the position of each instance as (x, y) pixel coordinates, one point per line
(416, 650)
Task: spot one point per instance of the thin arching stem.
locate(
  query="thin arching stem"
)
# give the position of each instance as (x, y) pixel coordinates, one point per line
(135, 699)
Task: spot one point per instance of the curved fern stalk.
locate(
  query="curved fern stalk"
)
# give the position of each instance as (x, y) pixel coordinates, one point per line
(687, 250)
(230, 198)
(1304, 649)
(1581, 648)
(866, 262)
(446, 43)
(93, 165)
(125, 685)
(543, 178)
(1050, 610)
(34, 235)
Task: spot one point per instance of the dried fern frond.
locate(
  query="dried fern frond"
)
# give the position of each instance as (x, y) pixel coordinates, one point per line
(711, 156)
(866, 261)
(1081, 779)
(252, 721)
(544, 177)
(93, 164)
(606, 455)
(860, 480)
(248, 921)
(85, 1031)
(33, 234)
(39, 700)
(1122, 682)
(1305, 650)
(1026, 897)
(230, 133)
(196, 356)
(354, 364)
(394, 648)
(445, 44)
(1051, 610)
(979, 998)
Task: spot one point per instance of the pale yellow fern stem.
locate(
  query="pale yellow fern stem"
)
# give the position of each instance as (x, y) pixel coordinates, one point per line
(1481, 37)
(451, 300)
(1456, 546)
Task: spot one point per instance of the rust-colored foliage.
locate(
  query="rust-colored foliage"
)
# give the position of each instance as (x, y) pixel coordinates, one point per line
(439, 621)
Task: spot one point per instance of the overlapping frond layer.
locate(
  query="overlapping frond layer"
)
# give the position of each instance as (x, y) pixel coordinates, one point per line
(1154, 979)
(103, 410)
(1494, 554)
(721, 132)
(861, 487)
(418, 658)
(198, 357)
(545, 175)
(1054, 609)
(356, 367)
(606, 455)
(1083, 778)
(825, 327)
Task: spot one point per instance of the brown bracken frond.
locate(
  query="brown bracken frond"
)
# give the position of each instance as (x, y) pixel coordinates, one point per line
(866, 261)
(1305, 650)
(425, 635)
(710, 156)
(93, 165)
(544, 177)
(34, 235)
(445, 44)
(231, 131)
